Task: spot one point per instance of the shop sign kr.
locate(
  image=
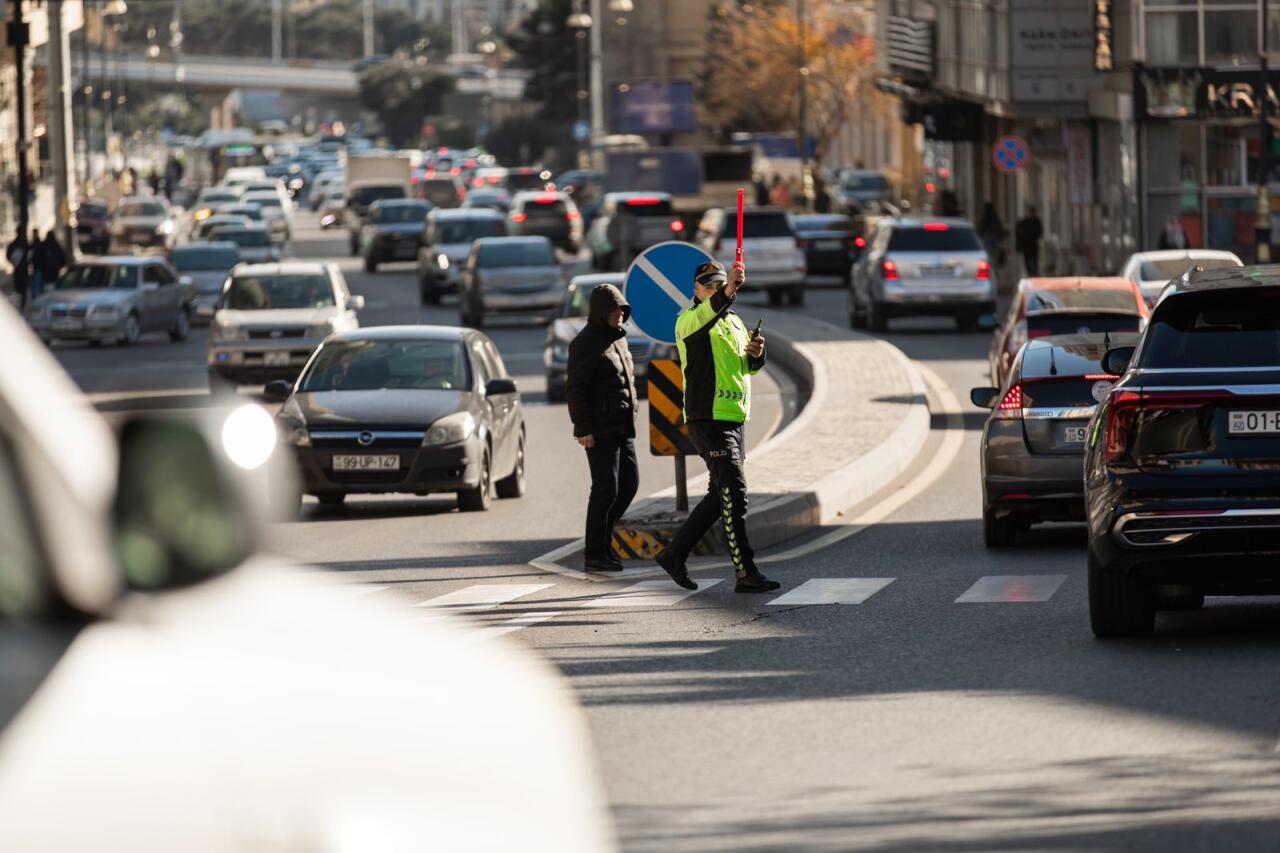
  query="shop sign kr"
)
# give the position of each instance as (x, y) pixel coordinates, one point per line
(1237, 99)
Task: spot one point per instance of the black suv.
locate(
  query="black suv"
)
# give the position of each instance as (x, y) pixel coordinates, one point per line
(1182, 470)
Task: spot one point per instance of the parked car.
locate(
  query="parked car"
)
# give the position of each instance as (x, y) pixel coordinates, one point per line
(922, 267)
(775, 262)
(829, 243)
(571, 319)
(219, 220)
(447, 418)
(1033, 443)
(441, 191)
(271, 317)
(209, 200)
(527, 178)
(546, 214)
(857, 188)
(359, 196)
(629, 223)
(252, 212)
(113, 298)
(1063, 306)
(518, 275)
(279, 220)
(238, 176)
(93, 227)
(393, 231)
(446, 246)
(490, 176)
(1181, 483)
(135, 613)
(1151, 271)
(207, 265)
(325, 182)
(494, 198)
(252, 242)
(146, 222)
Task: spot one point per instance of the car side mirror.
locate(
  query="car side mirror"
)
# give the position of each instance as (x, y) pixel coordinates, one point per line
(179, 516)
(1116, 361)
(186, 280)
(278, 390)
(984, 398)
(499, 386)
(356, 303)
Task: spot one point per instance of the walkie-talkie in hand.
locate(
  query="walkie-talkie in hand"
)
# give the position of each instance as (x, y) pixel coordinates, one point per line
(755, 333)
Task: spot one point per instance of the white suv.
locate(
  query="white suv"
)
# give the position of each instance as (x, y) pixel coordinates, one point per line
(774, 259)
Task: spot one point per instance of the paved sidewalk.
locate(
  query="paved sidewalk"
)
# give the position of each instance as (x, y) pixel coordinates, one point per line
(865, 420)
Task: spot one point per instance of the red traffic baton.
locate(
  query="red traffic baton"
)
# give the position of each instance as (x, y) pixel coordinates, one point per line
(738, 256)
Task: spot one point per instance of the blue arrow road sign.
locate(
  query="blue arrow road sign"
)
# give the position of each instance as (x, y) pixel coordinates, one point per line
(659, 285)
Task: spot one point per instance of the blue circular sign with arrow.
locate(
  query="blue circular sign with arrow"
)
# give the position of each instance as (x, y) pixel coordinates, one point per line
(659, 285)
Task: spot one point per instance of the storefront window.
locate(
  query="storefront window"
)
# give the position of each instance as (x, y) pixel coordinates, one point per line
(1231, 155)
(1185, 207)
(1231, 223)
(1173, 156)
(1172, 38)
(1231, 37)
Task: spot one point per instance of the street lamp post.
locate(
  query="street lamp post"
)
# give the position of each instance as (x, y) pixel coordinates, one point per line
(803, 108)
(1262, 221)
(580, 22)
(17, 37)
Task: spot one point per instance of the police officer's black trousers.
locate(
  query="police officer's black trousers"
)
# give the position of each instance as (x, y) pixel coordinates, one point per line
(722, 446)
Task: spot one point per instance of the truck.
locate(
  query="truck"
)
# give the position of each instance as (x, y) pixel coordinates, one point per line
(697, 179)
(370, 178)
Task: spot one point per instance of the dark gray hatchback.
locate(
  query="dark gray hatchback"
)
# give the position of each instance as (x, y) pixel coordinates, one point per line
(1033, 443)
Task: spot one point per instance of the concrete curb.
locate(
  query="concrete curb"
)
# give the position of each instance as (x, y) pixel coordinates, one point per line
(794, 511)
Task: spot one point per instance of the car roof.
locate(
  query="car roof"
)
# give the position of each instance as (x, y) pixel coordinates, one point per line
(1259, 275)
(206, 244)
(250, 225)
(121, 260)
(756, 209)
(1078, 342)
(465, 213)
(513, 239)
(623, 196)
(1076, 282)
(285, 268)
(1184, 254)
(921, 221)
(525, 195)
(401, 202)
(398, 333)
(592, 279)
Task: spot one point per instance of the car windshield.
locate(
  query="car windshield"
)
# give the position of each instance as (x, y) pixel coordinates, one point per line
(98, 277)
(823, 223)
(758, 225)
(95, 211)
(197, 259)
(1084, 359)
(855, 183)
(515, 254)
(579, 304)
(242, 237)
(284, 290)
(939, 238)
(1075, 298)
(217, 197)
(263, 200)
(468, 230)
(248, 212)
(545, 209)
(402, 213)
(365, 196)
(525, 181)
(373, 365)
(1079, 323)
(1175, 267)
(141, 208)
(1216, 328)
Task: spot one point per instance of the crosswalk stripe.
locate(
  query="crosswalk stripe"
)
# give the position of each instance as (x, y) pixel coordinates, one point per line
(1012, 588)
(651, 593)
(482, 596)
(519, 623)
(832, 591)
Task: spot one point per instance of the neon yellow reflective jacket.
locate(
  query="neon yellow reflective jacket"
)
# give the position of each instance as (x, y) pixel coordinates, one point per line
(712, 341)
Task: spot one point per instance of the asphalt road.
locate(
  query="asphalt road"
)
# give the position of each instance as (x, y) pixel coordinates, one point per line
(962, 705)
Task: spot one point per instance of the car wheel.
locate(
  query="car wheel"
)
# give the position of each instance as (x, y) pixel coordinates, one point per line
(1120, 605)
(181, 326)
(997, 532)
(775, 296)
(370, 264)
(876, 321)
(131, 332)
(512, 485)
(477, 499)
(795, 294)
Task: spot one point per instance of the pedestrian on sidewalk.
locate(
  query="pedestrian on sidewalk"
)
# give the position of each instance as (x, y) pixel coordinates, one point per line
(600, 389)
(991, 232)
(53, 259)
(1027, 234)
(718, 356)
(779, 194)
(1173, 236)
(39, 260)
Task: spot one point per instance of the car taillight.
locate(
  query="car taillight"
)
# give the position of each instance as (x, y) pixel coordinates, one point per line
(677, 226)
(936, 226)
(860, 242)
(802, 244)
(642, 202)
(889, 271)
(518, 217)
(573, 216)
(1010, 407)
(455, 171)
(1122, 413)
(984, 271)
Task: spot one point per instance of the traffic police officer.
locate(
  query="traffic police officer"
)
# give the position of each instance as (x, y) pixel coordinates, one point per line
(717, 356)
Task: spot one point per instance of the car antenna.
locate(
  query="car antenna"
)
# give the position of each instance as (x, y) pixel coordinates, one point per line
(1053, 361)
(1106, 339)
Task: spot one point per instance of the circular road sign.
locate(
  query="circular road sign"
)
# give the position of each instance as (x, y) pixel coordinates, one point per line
(1010, 154)
(659, 285)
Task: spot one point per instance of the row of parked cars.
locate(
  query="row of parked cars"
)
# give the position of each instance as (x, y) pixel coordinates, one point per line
(1147, 409)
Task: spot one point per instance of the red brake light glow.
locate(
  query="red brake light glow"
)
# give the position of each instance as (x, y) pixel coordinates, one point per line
(889, 271)
(573, 216)
(518, 217)
(639, 202)
(984, 271)
(1122, 412)
(936, 226)
(1012, 400)
(677, 226)
(860, 242)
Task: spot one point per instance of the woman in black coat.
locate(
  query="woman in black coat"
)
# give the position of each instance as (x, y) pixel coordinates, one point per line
(600, 389)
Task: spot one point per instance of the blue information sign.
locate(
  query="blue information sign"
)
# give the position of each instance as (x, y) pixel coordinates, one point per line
(654, 106)
(659, 285)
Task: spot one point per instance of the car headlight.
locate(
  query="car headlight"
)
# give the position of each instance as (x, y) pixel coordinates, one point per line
(202, 214)
(104, 312)
(560, 351)
(295, 184)
(450, 429)
(320, 330)
(442, 261)
(229, 333)
(295, 434)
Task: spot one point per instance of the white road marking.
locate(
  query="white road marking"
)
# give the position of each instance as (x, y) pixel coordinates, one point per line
(660, 593)
(673, 292)
(481, 596)
(519, 623)
(1012, 588)
(832, 591)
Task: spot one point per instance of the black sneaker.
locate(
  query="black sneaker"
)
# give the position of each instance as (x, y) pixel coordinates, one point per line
(755, 582)
(602, 564)
(679, 574)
